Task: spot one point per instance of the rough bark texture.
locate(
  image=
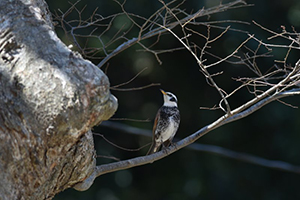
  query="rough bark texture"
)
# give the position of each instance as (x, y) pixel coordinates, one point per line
(49, 99)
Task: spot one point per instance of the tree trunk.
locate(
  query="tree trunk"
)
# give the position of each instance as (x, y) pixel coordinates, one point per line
(49, 99)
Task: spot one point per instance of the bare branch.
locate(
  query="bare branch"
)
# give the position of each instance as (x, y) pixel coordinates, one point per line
(278, 81)
(126, 164)
(230, 55)
(119, 147)
(135, 88)
(132, 79)
(161, 27)
(279, 165)
(108, 157)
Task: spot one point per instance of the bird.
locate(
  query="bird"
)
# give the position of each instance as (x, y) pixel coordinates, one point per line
(166, 123)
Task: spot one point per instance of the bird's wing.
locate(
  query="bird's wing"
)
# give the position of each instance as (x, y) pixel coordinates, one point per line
(154, 146)
(155, 123)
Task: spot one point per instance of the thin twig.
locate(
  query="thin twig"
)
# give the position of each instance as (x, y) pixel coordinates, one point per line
(132, 79)
(135, 88)
(142, 160)
(119, 147)
(161, 28)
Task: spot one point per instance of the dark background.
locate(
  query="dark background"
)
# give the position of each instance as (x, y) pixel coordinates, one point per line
(271, 133)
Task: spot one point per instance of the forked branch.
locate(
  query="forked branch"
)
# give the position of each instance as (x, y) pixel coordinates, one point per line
(153, 26)
(142, 160)
(278, 82)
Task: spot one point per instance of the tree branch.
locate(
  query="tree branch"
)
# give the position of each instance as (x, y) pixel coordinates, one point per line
(162, 27)
(272, 90)
(142, 160)
(221, 151)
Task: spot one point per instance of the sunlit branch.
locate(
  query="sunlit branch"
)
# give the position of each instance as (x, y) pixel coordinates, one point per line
(276, 83)
(221, 151)
(142, 160)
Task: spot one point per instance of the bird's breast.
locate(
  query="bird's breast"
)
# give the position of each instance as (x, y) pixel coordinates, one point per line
(168, 132)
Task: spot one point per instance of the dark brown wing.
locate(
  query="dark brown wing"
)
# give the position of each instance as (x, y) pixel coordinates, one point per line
(153, 145)
(155, 123)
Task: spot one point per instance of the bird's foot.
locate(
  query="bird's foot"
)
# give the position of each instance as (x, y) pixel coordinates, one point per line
(164, 149)
(173, 145)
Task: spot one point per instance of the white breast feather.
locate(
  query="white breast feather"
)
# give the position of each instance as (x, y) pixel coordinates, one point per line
(169, 132)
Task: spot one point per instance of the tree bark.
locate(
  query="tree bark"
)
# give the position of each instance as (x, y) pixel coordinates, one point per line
(50, 97)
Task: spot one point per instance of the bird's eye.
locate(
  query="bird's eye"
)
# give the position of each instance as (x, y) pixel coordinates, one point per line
(173, 99)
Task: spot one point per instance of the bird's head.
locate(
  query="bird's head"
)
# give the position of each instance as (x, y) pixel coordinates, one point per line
(169, 99)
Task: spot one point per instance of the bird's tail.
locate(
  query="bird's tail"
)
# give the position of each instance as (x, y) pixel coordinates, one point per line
(154, 147)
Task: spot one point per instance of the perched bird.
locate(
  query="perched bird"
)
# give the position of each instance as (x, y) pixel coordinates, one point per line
(166, 123)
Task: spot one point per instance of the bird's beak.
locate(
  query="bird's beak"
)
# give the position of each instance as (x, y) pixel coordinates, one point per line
(162, 91)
